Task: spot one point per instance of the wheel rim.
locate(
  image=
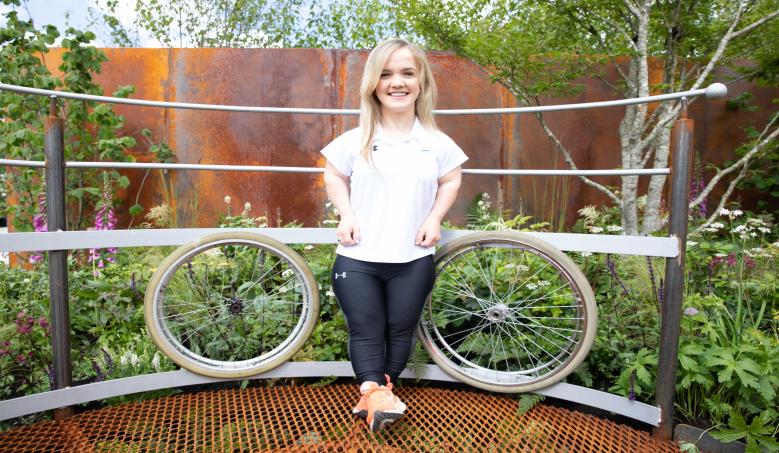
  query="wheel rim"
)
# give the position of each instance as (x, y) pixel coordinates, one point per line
(232, 305)
(503, 313)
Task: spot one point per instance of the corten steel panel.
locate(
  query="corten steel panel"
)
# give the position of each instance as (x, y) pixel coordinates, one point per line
(330, 78)
(271, 77)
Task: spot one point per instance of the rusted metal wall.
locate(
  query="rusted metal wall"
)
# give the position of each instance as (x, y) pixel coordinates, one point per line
(330, 79)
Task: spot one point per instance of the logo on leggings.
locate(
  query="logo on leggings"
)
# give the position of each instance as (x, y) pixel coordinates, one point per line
(342, 274)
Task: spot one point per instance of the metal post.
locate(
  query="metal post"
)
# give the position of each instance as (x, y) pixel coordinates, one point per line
(673, 292)
(58, 259)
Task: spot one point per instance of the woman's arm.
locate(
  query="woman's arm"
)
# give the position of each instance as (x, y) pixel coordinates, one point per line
(337, 186)
(448, 185)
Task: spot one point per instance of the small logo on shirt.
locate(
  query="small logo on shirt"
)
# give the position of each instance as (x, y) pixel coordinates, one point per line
(342, 274)
(375, 148)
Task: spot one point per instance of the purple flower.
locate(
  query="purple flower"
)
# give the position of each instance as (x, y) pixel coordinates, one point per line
(690, 311)
(21, 358)
(105, 219)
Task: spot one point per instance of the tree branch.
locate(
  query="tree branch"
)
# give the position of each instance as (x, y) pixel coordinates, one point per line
(755, 24)
(722, 201)
(632, 8)
(743, 162)
(723, 44)
(572, 164)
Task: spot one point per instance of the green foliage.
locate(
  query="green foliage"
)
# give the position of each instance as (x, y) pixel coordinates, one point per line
(528, 401)
(91, 132)
(256, 23)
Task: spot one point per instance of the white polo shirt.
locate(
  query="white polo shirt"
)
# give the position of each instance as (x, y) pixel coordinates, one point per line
(393, 198)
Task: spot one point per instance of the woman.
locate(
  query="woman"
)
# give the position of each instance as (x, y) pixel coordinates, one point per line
(392, 180)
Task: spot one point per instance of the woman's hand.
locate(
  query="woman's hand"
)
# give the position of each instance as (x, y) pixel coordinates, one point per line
(348, 232)
(429, 233)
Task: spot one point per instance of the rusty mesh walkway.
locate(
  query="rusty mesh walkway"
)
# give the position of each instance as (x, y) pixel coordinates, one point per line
(318, 419)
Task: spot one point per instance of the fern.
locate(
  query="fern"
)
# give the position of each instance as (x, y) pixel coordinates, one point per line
(528, 401)
(419, 358)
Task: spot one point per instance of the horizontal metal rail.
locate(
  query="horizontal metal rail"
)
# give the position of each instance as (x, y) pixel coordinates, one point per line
(715, 90)
(277, 169)
(66, 240)
(172, 379)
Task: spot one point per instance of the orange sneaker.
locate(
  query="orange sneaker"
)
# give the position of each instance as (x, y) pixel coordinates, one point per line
(382, 406)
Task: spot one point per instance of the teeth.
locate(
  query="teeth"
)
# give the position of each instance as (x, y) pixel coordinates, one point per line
(398, 94)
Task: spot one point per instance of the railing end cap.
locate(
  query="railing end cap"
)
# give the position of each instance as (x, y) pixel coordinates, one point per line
(716, 90)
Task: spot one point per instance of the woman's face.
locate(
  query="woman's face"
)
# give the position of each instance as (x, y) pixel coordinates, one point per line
(398, 86)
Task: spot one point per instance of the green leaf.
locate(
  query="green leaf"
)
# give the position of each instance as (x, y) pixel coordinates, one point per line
(528, 401)
(123, 182)
(135, 210)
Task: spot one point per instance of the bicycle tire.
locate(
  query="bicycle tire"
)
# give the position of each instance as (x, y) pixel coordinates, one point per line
(206, 316)
(483, 325)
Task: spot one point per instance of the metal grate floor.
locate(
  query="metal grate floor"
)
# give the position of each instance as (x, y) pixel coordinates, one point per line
(318, 419)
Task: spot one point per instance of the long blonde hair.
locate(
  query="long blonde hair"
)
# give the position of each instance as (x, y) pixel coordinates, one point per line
(370, 107)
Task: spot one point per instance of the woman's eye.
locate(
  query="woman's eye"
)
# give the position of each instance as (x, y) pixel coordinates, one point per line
(384, 75)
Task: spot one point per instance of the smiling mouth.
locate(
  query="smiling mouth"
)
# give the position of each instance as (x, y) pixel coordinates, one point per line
(398, 94)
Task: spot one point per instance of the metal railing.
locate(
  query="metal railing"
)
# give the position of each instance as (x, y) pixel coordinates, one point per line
(58, 241)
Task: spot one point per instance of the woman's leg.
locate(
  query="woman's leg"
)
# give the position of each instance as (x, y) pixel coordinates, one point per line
(360, 294)
(407, 288)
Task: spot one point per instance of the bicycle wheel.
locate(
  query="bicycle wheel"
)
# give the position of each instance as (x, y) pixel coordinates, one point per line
(508, 312)
(231, 305)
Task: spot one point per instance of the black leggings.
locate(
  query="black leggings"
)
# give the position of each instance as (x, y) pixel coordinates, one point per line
(382, 303)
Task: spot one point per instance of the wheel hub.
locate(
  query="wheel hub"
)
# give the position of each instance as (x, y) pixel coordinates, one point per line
(235, 307)
(498, 312)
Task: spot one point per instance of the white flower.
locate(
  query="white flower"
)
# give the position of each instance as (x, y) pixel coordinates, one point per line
(776, 244)
(739, 229)
(753, 234)
(710, 230)
(227, 199)
(330, 293)
(531, 286)
(263, 225)
(691, 243)
(736, 213)
(247, 207)
(123, 359)
(756, 221)
(283, 290)
(763, 229)
(522, 268)
(596, 229)
(757, 251)
(586, 254)
(716, 226)
(155, 362)
(720, 255)
(287, 273)
(330, 222)
(724, 212)
(328, 204)
(134, 359)
(308, 247)
(543, 283)
(614, 228)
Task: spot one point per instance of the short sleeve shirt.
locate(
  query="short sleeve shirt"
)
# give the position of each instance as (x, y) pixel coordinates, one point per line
(393, 198)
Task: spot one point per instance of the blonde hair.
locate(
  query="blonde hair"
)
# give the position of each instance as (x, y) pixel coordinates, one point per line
(370, 107)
